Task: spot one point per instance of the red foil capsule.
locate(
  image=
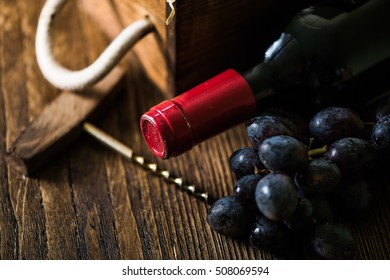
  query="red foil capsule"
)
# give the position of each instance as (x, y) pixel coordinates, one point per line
(175, 126)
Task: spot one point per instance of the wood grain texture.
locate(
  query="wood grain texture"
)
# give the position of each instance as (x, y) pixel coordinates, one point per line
(89, 203)
(60, 123)
(113, 16)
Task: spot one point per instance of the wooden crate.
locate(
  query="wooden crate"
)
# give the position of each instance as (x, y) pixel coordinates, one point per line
(204, 38)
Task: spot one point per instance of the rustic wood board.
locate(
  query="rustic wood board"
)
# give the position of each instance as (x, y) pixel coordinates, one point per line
(89, 203)
(112, 17)
(61, 123)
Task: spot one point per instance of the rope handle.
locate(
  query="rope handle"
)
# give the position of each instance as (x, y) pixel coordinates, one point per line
(78, 80)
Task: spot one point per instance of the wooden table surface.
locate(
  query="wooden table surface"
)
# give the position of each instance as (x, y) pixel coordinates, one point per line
(89, 203)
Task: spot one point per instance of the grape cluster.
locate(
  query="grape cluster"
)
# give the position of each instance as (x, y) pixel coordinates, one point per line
(301, 180)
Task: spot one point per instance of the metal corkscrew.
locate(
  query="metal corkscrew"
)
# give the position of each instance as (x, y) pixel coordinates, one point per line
(152, 167)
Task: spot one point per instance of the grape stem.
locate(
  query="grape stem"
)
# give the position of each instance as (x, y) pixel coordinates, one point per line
(262, 171)
(317, 152)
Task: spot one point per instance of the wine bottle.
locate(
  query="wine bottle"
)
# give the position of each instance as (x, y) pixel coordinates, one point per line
(322, 49)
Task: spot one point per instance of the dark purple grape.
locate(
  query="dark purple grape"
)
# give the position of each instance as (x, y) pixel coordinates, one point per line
(334, 123)
(333, 242)
(245, 189)
(354, 156)
(302, 218)
(245, 161)
(276, 196)
(265, 126)
(228, 217)
(319, 176)
(297, 124)
(322, 209)
(351, 198)
(283, 153)
(381, 134)
(269, 235)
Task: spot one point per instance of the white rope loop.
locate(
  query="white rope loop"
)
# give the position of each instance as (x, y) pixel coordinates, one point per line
(77, 80)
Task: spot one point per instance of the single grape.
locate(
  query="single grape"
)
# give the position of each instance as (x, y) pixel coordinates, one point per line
(381, 134)
(354, 156)
(351, 198)
(228, 217)
(245, 188)
(297, 123)
(319, 176)
(245, 161)
(334, 123)
(269, 235)
(302, 218)
(334, 242)
(322, 209)
(267, 125)
(283, 153)
(276, 196)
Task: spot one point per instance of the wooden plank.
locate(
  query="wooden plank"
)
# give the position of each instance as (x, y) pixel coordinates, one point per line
(60, 215)
(24, 214)
(95, 219)
(60, 124)
(112, 17)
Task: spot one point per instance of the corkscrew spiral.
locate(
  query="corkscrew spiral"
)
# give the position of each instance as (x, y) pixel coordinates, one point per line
(129, 154)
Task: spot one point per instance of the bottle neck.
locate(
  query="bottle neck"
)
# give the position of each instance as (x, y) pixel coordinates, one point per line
(363, 36)
(261, 80)
(350, 41)
(322, 49)
(175, 126)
